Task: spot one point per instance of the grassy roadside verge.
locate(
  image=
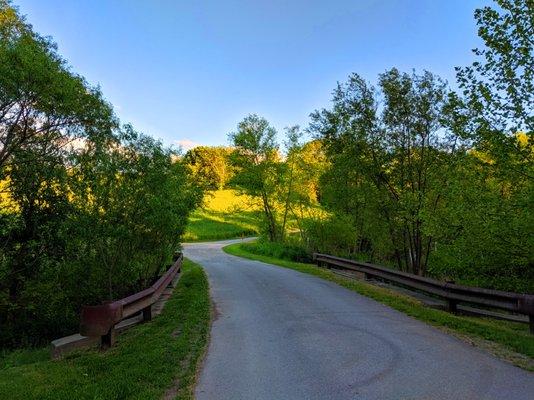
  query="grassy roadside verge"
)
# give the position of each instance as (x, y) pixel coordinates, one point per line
(152, 360)
(508, 340)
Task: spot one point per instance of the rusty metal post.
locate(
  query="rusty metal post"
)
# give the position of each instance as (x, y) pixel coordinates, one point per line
(108, 340)
(147, 313)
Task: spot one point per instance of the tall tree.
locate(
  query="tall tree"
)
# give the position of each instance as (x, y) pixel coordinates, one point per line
(389, 145)
(483, 228)
(107, 209)
(210, 165)
(41, 100)
(258, 168)
(497, 90)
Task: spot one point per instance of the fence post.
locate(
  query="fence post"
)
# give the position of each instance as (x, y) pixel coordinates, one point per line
(531, 323)
(108, 340)
(147, 313)
(452, 306)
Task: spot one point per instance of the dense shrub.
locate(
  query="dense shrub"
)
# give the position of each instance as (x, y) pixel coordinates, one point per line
(285, 250)
(333, 235)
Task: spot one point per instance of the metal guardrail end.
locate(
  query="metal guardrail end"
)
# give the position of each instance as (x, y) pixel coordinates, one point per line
(98, 320)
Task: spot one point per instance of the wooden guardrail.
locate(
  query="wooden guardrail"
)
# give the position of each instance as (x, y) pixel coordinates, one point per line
(451, 292)
(100, 320)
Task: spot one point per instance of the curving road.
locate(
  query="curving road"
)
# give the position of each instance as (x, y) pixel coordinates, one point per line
(279, 334)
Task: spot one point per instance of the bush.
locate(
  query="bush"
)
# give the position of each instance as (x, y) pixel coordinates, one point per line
(284, 251)
(335, 235)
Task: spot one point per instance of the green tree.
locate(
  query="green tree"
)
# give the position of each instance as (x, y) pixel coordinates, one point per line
(107, 209)
(483, 229)
(497, 90)
(41, 100)
(299, 193)
(210, 165)
(258, 166)
(392, 157)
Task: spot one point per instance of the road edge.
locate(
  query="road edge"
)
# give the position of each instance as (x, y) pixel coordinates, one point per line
(488, 335)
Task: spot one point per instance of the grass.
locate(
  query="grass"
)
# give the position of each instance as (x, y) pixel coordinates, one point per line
(225, 215)
(508, 340)
(153, 360)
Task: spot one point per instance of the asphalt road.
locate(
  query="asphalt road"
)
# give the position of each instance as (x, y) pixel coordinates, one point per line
(279, 334)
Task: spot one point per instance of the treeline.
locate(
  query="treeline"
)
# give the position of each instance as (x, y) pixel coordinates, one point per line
(90, 210)
(408, 172)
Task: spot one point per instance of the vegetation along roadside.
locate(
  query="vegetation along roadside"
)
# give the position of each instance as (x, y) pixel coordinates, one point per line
(159, 358)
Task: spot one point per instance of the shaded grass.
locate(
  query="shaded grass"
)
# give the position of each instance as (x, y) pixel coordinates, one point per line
(148, 361)
(514, 337)
(225, 215)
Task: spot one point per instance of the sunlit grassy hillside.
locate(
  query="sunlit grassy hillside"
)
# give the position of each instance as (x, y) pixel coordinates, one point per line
(225, 215)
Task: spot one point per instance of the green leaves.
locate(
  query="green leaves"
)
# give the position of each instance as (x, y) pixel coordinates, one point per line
(498, 88)
(256, 160)
(444, 179)
(385, 146)
(210, 166)
(41, 100)
(91, 211)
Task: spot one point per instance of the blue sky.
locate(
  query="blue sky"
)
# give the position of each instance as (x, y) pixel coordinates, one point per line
(188, 71)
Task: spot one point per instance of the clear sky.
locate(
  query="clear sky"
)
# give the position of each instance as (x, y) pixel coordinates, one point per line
(188, 71)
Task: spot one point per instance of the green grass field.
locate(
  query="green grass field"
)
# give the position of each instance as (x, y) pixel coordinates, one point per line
(508, 340)
(225, 215)
(152, 360)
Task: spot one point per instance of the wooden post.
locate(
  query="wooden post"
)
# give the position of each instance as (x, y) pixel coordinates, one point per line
(108, 340)
(147, 313)
(452, 306)
(531, 323)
